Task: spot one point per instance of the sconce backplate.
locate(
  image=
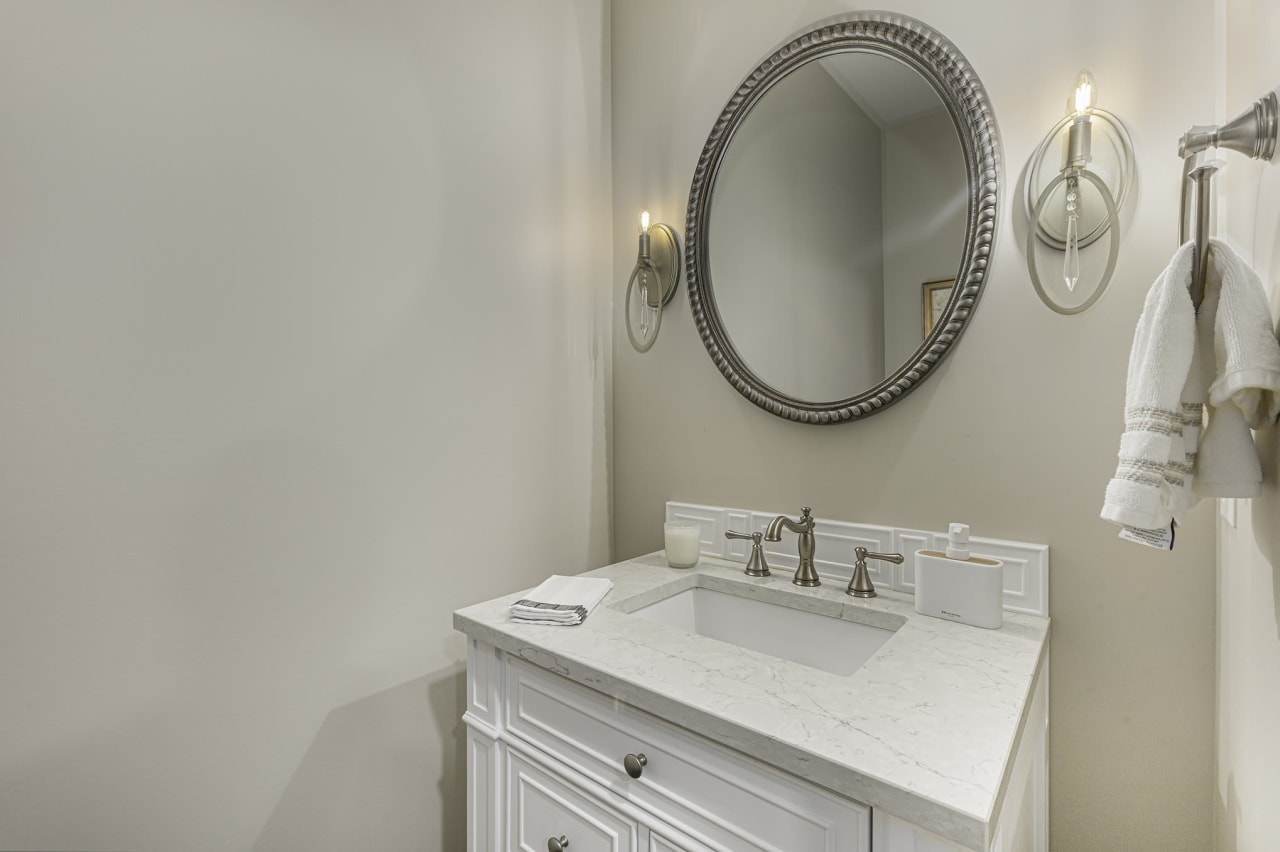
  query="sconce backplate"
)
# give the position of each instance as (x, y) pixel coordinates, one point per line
(664, 254)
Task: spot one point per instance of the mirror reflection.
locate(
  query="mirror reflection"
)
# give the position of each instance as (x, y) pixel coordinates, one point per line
(839, 219)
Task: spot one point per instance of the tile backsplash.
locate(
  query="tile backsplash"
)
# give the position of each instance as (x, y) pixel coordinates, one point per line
(1026, 565)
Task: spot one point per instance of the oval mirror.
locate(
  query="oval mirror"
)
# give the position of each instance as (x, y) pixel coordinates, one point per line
(841, 218)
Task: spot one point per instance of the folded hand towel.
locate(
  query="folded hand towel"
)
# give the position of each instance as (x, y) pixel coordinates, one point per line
(1226, 463)
(1248, 356)
(561, 600)
(1164, 396)
(1245, 389)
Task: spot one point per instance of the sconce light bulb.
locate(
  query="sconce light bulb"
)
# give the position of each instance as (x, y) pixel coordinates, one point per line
(644, 222)
(1086, 96)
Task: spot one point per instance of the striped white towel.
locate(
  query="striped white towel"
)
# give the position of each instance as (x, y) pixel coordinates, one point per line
(561, 600)
(1165, 393)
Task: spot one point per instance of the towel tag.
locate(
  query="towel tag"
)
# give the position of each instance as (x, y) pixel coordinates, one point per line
(1161, 539)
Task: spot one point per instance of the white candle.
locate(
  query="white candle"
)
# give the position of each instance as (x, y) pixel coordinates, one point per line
(682, 539)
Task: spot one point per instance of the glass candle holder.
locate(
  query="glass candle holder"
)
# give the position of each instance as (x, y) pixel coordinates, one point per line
(683, 539)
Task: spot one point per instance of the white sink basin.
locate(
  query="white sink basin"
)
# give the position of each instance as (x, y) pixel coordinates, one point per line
(823, 642)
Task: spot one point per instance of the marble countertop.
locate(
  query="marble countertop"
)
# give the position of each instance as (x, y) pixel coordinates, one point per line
(926, 729)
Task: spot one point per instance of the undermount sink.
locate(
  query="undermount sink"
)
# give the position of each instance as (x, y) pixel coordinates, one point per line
(820, 641)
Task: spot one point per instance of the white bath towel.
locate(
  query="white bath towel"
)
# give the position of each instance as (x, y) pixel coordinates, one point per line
(1245, 388)
(561, 600)
(1164, 396)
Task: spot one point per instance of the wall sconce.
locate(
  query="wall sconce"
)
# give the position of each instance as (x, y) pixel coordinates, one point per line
(1076, 200)
(653, 281)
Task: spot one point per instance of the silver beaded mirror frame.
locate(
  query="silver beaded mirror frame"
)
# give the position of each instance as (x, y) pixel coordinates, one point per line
(943, 66)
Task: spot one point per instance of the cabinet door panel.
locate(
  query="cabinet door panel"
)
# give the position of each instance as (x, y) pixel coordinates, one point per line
(540, 807)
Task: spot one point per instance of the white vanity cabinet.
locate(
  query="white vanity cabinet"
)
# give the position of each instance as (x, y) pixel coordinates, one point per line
(547, 758)
(548, 769)
(625, 733)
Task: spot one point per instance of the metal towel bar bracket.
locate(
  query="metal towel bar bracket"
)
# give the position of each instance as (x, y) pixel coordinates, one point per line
(1252, 133)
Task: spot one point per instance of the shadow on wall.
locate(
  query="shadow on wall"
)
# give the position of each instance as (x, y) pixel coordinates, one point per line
(1265, 507)
(374, 770)
(1227, 817)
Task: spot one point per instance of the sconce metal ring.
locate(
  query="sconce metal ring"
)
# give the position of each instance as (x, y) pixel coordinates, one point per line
(663, 260)
(646, 343)
(1105, 124)
(1114, 252)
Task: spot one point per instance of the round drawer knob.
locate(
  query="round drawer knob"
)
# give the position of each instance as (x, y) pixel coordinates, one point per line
(559, 844)
(635, 764)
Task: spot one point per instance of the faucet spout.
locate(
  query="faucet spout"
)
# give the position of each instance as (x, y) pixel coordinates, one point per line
(773, 532)
(805, 573)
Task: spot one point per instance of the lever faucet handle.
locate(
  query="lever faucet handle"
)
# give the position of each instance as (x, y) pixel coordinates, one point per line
(756, 566)
(860, 585)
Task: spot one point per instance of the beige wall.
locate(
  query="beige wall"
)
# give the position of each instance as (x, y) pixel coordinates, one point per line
(300, 350)
(1248, 776)
(1016, 434)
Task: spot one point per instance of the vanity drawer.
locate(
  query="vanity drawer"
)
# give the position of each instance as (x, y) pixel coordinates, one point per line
(541, 806)
(713, 793)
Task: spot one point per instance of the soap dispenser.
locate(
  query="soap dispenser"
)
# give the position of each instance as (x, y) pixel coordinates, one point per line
(959, 586)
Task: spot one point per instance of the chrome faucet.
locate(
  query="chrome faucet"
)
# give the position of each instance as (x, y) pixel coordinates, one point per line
(805, 574)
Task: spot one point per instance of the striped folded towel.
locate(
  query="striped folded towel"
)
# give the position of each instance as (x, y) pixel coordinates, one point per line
(1164, 409)
(561, 600)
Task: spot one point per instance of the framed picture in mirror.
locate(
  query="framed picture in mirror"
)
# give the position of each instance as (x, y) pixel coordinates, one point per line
(934, 301)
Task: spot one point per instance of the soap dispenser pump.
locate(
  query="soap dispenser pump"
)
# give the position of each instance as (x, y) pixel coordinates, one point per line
(958, 541)
(959, 586)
